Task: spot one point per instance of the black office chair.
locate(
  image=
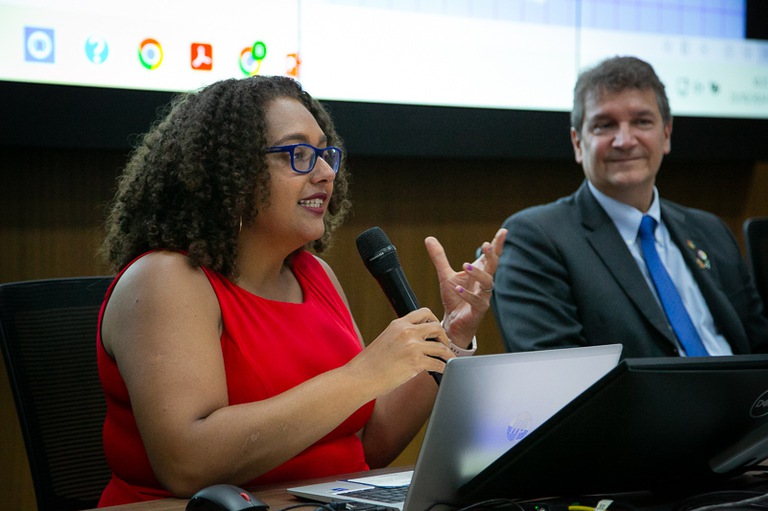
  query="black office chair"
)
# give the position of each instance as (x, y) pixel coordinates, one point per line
(756, 238)
(48, 336)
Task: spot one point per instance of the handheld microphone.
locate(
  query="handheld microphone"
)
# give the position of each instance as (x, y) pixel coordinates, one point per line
(380, 257)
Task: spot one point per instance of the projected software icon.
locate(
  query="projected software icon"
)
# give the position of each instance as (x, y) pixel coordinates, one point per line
(38, 44)
(292, 63)
(96, 49)
(201, 56)
(150, 54)
(251, 57)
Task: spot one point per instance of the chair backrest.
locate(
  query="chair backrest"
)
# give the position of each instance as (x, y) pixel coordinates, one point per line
(48, 336)
(756, 240)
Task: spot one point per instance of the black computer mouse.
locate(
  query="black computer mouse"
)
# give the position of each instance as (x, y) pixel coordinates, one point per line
(225, 497)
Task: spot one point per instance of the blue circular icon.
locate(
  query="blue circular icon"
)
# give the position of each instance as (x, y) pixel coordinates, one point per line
(39, 45)
(96, 49)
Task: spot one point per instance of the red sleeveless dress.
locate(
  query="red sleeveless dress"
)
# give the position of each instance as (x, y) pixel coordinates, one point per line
(268, 348)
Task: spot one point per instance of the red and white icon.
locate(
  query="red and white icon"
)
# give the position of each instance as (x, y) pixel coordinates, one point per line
(201, 56)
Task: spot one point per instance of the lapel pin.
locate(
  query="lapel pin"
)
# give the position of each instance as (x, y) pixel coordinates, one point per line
(702, 259)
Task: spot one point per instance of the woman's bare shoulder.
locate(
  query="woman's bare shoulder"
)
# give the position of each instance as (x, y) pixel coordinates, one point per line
(163, 272)
(160, 289)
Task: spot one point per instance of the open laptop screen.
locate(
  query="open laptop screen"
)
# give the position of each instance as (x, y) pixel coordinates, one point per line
(648, 424)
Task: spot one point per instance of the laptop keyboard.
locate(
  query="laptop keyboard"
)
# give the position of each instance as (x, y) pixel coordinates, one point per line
(392, 494)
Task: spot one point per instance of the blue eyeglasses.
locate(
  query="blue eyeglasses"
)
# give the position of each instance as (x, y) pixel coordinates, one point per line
(304, 156)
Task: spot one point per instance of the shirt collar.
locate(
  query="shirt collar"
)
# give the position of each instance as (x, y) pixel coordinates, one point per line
(625, 217)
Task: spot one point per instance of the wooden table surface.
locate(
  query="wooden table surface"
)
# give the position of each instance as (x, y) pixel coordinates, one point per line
(274, 495)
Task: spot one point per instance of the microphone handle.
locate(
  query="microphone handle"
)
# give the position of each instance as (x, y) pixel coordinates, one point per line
(400, 295)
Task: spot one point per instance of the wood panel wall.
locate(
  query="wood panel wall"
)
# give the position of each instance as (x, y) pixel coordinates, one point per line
(52, 205)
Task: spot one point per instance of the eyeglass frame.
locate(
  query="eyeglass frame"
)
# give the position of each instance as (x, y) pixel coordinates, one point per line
(318, 153)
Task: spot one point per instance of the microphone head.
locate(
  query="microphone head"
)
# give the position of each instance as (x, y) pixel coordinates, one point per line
(378, 253)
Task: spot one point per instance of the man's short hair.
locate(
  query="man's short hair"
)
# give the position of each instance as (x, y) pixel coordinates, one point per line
(614, 75)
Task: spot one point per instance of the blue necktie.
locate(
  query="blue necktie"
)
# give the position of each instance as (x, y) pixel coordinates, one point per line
(670, 299)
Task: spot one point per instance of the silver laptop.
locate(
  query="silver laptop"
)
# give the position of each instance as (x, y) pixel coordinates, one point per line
(484, 407)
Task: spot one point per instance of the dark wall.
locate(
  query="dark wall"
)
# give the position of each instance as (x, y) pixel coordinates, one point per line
(56, 116)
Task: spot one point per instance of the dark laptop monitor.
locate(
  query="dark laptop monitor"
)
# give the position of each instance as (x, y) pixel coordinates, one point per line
(649, 424)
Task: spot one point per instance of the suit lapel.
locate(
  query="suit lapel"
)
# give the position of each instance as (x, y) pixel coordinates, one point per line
(693, 244)
(607, 243)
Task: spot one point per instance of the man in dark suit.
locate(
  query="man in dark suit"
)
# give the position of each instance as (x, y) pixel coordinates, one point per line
(573, 272)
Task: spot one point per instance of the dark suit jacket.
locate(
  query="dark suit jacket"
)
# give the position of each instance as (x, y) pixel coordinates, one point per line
(567, 278)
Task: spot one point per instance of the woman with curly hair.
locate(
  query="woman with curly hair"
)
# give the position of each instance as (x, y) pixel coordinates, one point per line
(227, 350)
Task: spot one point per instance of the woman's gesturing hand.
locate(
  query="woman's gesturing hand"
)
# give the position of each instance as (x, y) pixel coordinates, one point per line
(466, 294)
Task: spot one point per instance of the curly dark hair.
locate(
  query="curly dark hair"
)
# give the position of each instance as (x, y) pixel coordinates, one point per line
(617, 74)
(201, 170)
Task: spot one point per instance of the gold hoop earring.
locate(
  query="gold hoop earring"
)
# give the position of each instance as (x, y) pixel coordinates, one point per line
(240, 229)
